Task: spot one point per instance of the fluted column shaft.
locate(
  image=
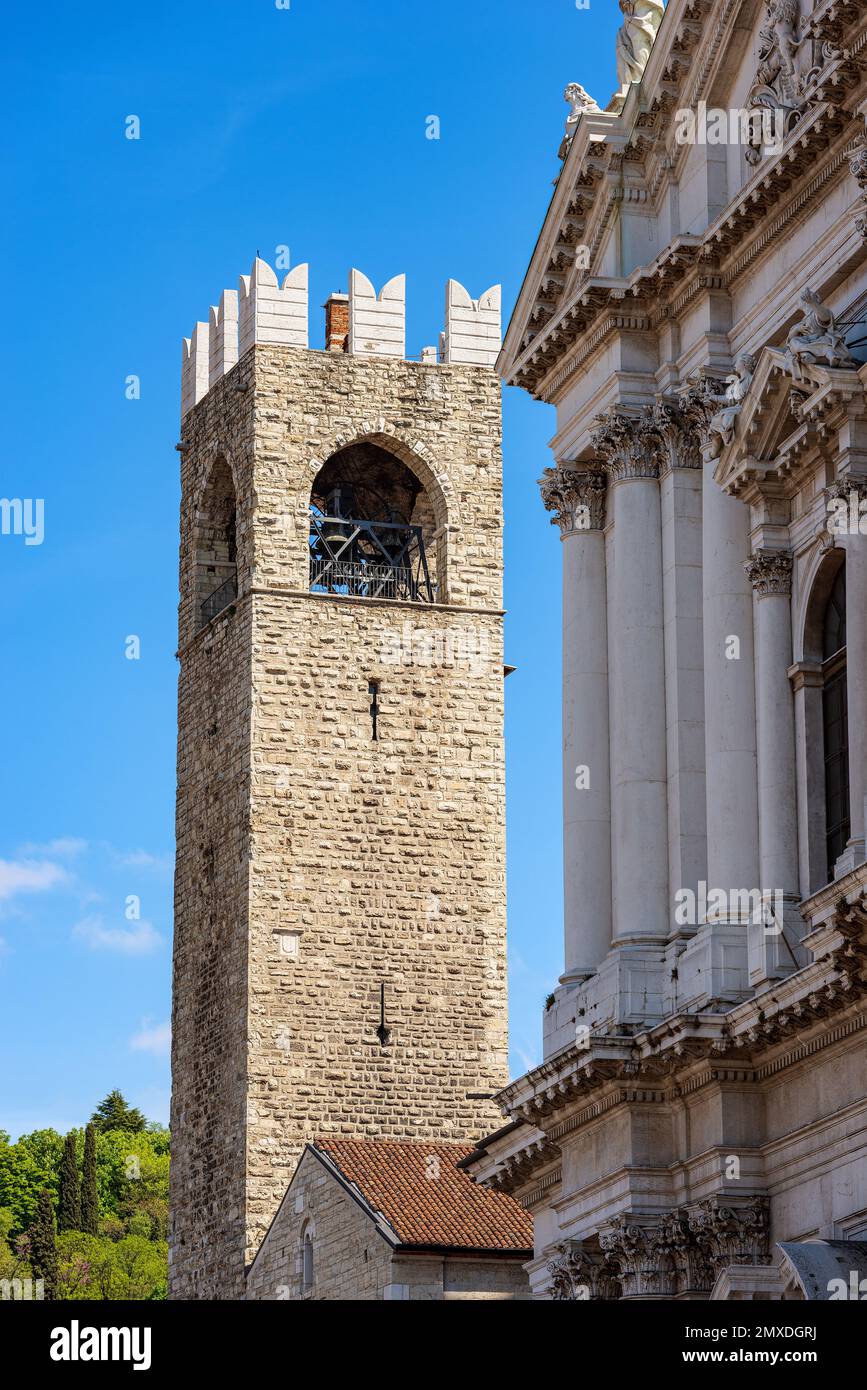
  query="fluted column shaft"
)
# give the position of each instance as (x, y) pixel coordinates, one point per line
(577, 498)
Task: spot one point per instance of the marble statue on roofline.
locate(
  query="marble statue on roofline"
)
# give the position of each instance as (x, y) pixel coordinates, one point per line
(579, 101)
(642, 19)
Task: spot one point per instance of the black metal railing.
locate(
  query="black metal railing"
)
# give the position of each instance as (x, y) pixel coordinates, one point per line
(219, 599)
(368, 559)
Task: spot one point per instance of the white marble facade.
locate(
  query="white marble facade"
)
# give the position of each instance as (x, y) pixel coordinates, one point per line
(696, 311)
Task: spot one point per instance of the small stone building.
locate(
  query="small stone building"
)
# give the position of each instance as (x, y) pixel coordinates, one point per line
(380, 1219)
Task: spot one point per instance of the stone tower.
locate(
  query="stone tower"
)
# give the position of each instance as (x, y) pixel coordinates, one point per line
(340, 947)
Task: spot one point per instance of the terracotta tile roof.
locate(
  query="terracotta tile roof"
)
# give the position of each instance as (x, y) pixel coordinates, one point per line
(425, 1198)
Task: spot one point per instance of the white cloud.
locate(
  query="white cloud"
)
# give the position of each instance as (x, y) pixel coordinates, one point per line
(29, 876)
(135, 940)
(155, 1038)
(142, 859)
(65, 848)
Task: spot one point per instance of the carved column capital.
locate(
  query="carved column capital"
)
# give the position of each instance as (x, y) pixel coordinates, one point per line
(576, 496)
(579, 1275)
(842, 489)
(630, 446)
(640, 1253)
(732, 1234)
(678, 435)
(770, 572)
(692, 1266)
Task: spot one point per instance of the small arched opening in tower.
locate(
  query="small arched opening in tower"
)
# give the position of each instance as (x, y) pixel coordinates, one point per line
(216, 544)
(372, 528)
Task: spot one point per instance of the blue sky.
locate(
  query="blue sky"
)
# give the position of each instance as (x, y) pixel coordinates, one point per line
(260, 126)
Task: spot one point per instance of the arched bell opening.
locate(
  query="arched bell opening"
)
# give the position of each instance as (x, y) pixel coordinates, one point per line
(372, 528)
(216, 544)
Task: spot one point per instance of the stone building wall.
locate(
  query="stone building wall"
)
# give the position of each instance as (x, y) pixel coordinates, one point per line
(352, 1261)
(209, 996)
(348, 863)
(702, 1097)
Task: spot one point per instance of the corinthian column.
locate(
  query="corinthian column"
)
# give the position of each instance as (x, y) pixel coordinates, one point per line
(639, 830)
(576, 496)
(680, 500)
(773, 944)
(729, 707)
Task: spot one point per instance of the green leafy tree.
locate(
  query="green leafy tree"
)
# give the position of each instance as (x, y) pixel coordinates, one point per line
(69, 1206)
(25, 1169)
(77, 1257)
(119, 1250)
(43, 1245)
(114, 1113)
(89, 1194)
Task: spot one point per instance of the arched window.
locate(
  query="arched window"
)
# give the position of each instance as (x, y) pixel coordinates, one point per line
(216, 550)
(835, 726)
(307, 1271)
(372, 528)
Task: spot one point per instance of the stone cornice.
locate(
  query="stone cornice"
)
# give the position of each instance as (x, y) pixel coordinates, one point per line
(809, 1010)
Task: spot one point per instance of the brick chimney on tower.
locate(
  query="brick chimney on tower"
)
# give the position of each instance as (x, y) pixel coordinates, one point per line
(337, 323)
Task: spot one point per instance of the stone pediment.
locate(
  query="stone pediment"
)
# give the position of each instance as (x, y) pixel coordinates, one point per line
(618, 163)
(782, 419)
(765, 420)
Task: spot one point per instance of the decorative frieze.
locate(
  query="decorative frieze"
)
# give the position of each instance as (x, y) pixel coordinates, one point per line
(576, 497)
(629, 445)
(770, 572)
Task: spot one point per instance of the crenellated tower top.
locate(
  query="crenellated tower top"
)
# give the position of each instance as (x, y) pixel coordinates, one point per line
(264, 310)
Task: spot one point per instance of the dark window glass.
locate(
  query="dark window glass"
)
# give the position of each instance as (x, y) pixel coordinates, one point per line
(834, 628)
(835, 723)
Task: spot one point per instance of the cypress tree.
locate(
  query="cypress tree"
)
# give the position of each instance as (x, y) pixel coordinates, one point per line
(43, 1245)
(69, 1207)
(89, 1198)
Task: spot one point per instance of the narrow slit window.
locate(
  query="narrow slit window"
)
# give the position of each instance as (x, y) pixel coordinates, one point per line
(373, 691)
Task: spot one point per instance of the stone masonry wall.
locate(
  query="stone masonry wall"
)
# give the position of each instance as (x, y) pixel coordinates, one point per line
(342, 862)
(211, 888)
(387, 855)
(351, 1260)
